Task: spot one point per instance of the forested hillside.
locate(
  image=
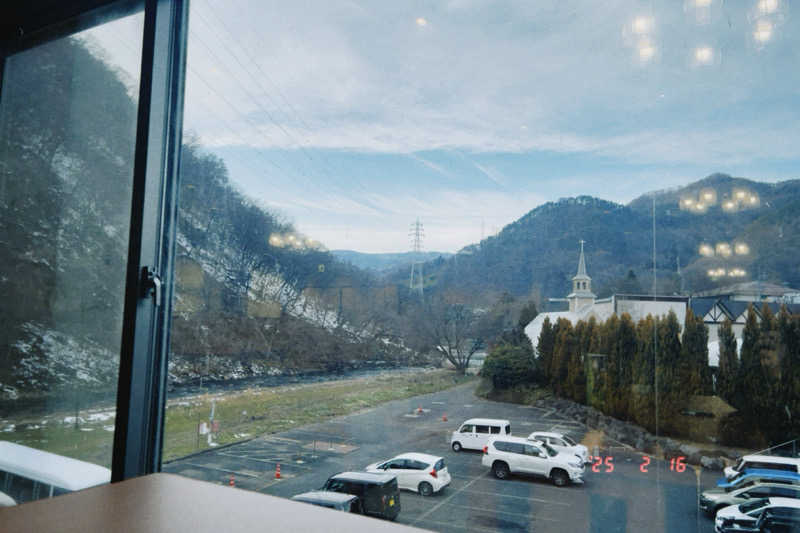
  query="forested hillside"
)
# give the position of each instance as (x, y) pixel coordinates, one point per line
(247, 290)
(537, 255)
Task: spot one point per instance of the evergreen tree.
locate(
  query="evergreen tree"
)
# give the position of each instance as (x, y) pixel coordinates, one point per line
(508, 365)
(576, 374)
(789, 350)
(612, 389)
(565, 345)
(728, 362)
(750, 378)
(693, 368)
(670, 390)
(545, 347)
(595, 379)
(642, 406)
(627, 345)
(527, 314)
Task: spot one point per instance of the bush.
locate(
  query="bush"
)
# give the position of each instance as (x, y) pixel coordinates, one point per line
(508, 365)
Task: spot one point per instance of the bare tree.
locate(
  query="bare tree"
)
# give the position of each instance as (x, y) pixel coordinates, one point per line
(452, 328)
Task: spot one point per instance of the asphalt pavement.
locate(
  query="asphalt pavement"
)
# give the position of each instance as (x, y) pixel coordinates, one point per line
(628, 492)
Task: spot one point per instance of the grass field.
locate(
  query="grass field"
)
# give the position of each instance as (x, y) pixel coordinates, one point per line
(240, 415)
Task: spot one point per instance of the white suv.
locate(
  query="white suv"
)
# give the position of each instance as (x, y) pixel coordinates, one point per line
(561, 443)
(507, 455)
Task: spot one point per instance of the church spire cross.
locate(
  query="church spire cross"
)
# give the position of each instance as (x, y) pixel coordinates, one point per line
(582, 263)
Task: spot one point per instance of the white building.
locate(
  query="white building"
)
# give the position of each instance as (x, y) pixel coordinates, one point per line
(583, 305)
(714, 307)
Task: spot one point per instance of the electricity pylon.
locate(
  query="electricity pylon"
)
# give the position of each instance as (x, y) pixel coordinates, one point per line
(417, 234)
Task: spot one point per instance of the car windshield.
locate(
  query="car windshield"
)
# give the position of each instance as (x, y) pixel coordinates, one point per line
(550, 451)
(752, 505)
(569, 441)
(439, 465)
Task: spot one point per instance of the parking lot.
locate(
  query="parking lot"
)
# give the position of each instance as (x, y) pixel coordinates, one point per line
(627, 493)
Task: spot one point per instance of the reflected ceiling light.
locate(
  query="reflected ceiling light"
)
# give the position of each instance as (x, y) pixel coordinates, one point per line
(768, 6)
(723, 249)
(646, 51)
(421, 22)
(763, 31)
(687, 202)
(706, 250)
(753, 200)
(642, 25)
(704, 55)
(702, 3)
(708, 196)
(275, 240)
(700, 207)
(741, 248)
(712, 273)
(729, 205)
(740, 194)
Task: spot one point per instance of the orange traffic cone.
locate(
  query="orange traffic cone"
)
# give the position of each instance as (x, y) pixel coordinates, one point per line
(278, 471)
(231, 482)
(444, 417)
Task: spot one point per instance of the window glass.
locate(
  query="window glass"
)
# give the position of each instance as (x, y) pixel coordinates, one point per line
(532, 450)
(68, 110)
(752, 505)
(578, 217)
(417, 465)
(495, 429)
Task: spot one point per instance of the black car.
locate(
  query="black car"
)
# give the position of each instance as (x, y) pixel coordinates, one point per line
(332, 500)
(378, 493)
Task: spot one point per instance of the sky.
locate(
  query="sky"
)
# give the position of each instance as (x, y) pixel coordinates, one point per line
(353, 119)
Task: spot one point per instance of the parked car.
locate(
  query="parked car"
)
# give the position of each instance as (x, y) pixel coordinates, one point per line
(508, 455)
(745, 515)
(333, 500)
(759, 475)
(561, 443)
(378, 493)
(6, 500)
(772, 462)
(715, 499)
(781, 520)
(474, 434)
(419, 472)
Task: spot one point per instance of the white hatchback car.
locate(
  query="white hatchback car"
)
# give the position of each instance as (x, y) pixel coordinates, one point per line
(419, 472)
(745, 515)
(561, 443)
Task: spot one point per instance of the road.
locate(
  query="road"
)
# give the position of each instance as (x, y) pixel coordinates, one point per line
(625, 494)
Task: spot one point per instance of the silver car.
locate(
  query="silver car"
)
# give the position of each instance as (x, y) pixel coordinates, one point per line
(714, 499)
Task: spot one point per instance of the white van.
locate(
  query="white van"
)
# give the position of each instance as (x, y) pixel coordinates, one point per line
(474, 433)
(768, 462)
(28, 474)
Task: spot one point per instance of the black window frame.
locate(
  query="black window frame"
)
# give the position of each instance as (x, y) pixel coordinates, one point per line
(141, 391)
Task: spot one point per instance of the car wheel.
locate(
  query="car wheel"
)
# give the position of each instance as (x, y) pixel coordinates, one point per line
(559, 477)
(500, 470)
(456, 446)
(425, 488)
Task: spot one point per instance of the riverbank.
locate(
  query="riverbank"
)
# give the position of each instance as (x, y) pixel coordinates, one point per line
(239, 415)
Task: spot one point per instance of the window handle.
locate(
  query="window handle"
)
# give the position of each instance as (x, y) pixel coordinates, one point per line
(151, 283)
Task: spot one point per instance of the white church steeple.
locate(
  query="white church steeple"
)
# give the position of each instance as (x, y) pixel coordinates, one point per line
(581, 294)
